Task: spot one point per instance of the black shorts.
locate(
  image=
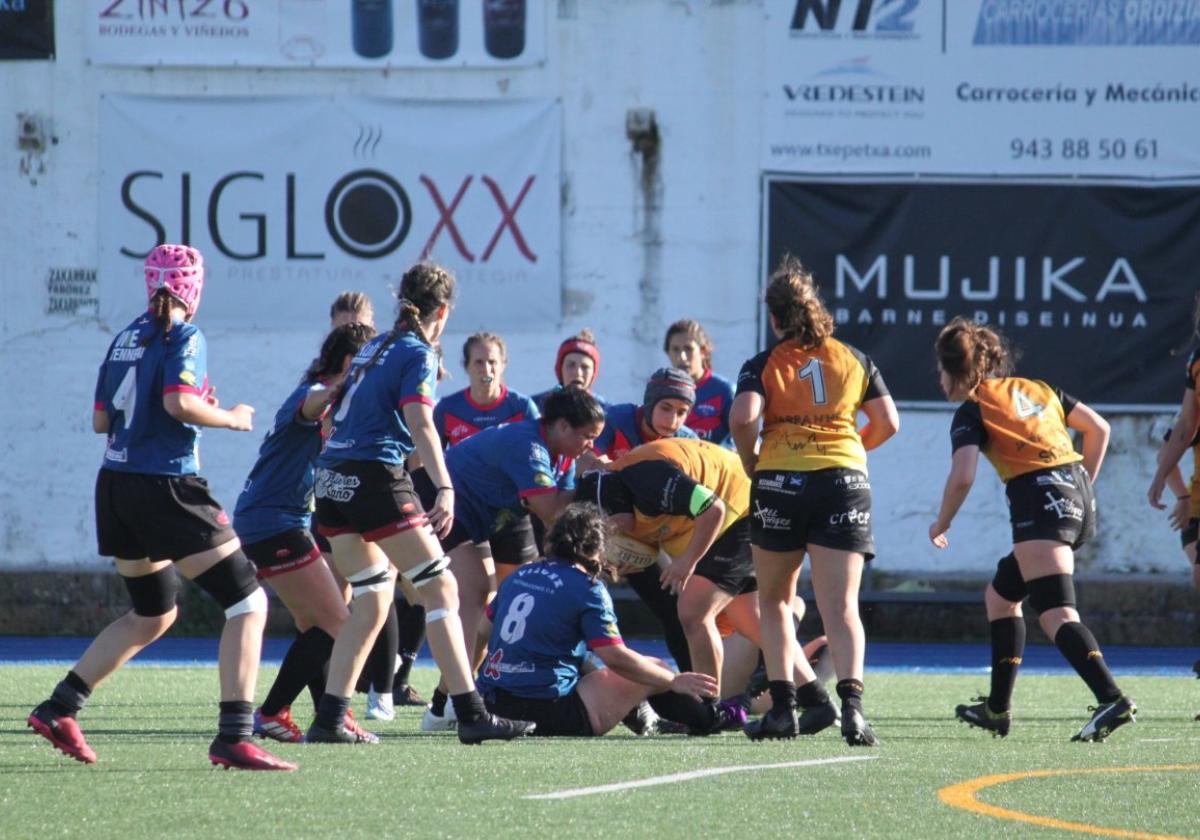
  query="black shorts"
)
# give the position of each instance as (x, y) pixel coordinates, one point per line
(728, 563)
(512, 541)
(1189, 535)
(283, 552)
(370, 498)
(1052, 504)
(829, 508)
(566, 716)
(425, 490)
(163, 517)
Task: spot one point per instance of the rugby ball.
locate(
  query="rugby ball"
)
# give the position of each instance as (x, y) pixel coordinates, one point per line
(627, 554)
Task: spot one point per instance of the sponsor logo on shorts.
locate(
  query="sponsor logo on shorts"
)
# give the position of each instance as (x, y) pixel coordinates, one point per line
(854, 516)
(1059, 478)
(853, 482)
(283, 553)
(1024, 523)
(773, 483)
(771, 519)
(335, 486)
(1063, 508)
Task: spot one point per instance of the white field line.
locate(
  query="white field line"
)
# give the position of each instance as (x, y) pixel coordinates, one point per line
(693, 774)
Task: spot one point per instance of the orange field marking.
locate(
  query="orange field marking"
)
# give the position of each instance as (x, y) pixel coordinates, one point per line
(962, 795)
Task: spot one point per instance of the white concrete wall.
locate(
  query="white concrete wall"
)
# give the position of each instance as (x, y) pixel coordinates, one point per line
(695, 63)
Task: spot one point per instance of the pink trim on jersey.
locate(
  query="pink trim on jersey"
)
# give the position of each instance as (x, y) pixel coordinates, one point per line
(604, 642)
(489, 407)
(536, 491)
(415, 398)
(98, 407)
(183, 389)
(707, 376)
(291, 565)
(406, 524)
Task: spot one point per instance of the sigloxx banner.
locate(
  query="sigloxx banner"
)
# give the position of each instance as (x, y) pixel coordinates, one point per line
(293, 200)
(316, 33)
(1094, 284)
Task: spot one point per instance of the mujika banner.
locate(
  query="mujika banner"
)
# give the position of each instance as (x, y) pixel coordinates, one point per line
(317, 33)
(1094, 284)
(293, 200)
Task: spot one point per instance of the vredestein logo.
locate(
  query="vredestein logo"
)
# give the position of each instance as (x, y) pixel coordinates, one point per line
(856, 18)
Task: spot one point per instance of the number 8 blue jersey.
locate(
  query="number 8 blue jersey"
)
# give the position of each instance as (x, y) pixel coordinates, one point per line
(141, 366)
(544, 619)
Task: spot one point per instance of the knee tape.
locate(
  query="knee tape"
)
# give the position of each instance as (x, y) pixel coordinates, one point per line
(440, 614)
(423, 573)
(375, 578)
(232, 583)
(1046, 593)
(153, 594)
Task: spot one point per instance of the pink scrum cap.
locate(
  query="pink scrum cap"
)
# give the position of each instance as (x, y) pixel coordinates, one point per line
(180, 270)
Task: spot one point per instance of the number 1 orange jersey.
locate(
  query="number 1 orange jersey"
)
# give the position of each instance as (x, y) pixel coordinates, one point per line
(812, 397)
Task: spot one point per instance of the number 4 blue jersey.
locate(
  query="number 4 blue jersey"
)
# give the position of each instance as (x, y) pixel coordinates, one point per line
(143, 365)
(544, 619)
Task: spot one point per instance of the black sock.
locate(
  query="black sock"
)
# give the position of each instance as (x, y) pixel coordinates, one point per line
(851, 692)
(380, 668)
(412, 636)
(1008, 645)
(697, 715)
(1079, 647)
(316, 684)
(811, 694)
(437, 704)
(236, 721)
(331, 711)
(69, 695)
(304, 660)
(468, 707)
(783, 694)
(407, 658)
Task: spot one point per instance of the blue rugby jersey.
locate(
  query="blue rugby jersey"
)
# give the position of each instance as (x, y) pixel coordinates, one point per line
(709, 418)
(544, 619)
(130, 386)
(497, 469)
(457, 416)
(278, 493)
(623, 430)
(368, 423)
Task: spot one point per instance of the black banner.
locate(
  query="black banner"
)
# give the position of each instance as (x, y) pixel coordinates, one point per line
(1094, 285)
(27, 29)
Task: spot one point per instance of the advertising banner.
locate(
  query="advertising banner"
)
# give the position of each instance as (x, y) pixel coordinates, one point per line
(292, 200)
(1105, 88)
(26, 29)
(317, 33)
(1095, 284)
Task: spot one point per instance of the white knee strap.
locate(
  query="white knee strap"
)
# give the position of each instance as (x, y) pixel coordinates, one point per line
(375, 578)
(440, 614)
(255, 602)
(423, 573)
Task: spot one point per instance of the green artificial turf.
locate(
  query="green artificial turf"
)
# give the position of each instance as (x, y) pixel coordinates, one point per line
(151, 728)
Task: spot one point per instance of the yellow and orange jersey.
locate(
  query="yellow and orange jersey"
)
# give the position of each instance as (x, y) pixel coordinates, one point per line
(671, 482)
(1020, 425)
(811, 406)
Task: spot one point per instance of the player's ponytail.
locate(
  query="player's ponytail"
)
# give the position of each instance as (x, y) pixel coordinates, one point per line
(160, 309)
(970, 353)
(793, 300)
(341, 342)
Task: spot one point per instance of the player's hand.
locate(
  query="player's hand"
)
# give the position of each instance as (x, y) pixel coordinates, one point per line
(1180, 513)
(441, 515)
(674, 578)
(1154, 494)
(241, 418)
(937, 534)
(589, 461)
(697, 685)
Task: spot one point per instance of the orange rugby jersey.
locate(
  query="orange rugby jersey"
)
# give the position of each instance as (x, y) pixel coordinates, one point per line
(1020, 425)
(811, 406)
(661, 477)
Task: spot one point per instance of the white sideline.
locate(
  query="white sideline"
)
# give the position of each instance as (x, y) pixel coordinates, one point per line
(693, 774)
